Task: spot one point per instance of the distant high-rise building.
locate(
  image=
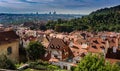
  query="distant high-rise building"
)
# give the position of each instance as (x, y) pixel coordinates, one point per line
(37, 13)
(54, 12)
(50, 13)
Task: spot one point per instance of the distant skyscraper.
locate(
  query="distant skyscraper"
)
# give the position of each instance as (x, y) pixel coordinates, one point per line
(54, 12)
(50, 13)
(37, 13)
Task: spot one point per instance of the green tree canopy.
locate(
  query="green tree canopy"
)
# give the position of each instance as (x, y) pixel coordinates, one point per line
(35, 50)
(101, 20)
(95, 63)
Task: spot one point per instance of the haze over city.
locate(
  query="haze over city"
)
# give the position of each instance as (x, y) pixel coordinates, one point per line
(60, 6)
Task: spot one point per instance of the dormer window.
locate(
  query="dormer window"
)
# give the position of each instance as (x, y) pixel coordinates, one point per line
(52, 46)
(102, 47)
(94, 47)
(103, 42)
(95, 41)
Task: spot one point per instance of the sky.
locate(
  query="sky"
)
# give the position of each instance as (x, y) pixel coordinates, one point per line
(60, 6)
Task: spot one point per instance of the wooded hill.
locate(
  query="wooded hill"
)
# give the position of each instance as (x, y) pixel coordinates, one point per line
(107, 19)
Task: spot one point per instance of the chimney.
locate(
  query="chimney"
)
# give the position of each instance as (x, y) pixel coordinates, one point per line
(116, 42)
(114, 49)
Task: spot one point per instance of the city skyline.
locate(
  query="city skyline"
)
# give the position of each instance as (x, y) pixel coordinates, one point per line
(60, 6)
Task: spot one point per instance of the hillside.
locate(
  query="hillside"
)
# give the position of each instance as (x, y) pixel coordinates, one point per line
(107, 19)
(115, 9)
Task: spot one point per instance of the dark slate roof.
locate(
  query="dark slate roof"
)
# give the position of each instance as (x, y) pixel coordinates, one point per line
(8, 36)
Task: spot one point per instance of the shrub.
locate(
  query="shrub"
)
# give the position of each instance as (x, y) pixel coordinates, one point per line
(6, 63)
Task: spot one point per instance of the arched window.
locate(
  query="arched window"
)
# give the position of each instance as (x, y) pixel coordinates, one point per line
(9, 50)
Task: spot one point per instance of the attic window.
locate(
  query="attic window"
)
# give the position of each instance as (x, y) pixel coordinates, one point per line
(103, 42)
(95, 41)
(52, 46)
(94, 47)
(102, 47)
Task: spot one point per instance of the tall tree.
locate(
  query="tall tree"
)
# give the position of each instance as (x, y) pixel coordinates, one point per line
(35, 50)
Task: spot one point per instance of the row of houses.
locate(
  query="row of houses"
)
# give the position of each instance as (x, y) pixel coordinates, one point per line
(66, 49)
(63, 49)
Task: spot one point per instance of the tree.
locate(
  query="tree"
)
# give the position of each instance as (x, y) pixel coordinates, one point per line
(6, 63)
(101, 20)
(95, 63)
(35, 50)
(43, 27)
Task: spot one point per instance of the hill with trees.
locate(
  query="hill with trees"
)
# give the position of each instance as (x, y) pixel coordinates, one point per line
(107, 19)
(107, 10)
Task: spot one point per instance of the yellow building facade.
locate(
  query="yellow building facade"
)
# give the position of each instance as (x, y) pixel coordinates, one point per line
(9, 45)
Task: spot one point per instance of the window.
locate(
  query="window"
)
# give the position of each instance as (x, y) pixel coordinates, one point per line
(77, 61)
(103, 42)
(58, 46)
(95, 41)
(65, 67)
(52, 46)
(94, 47)
(102, 47)
(9, 50)
(55, 56)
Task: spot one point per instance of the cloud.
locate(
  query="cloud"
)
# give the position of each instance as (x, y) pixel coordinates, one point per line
(10, 1)
(39, 0)
(61, 6)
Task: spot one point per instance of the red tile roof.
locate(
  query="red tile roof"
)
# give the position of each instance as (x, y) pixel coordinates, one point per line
(96, 45)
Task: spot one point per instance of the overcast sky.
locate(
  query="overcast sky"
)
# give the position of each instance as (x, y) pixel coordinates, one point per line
(60, 6)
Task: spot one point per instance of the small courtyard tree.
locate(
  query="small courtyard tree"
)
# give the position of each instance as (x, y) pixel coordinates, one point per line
(35, 50)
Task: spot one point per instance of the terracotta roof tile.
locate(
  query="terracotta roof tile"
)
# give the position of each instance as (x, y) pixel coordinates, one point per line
(96, 45)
